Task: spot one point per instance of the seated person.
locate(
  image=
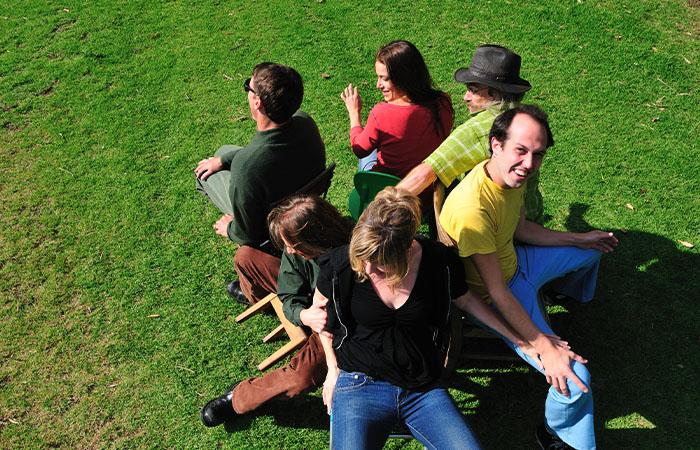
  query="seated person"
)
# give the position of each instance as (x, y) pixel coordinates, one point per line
(409, 124)
(386, 295)
(244, 182)
(484, 216)
(305, 227)
(493, 85)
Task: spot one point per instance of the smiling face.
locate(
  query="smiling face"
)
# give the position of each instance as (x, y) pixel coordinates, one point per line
(390, 93)
(520, 155)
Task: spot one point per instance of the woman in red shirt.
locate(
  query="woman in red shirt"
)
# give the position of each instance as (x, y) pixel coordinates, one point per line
(409, 124)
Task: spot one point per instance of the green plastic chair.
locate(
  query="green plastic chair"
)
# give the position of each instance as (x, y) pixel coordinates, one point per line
(367, 186)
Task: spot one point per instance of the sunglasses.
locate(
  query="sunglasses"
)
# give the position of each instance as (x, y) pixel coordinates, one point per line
(246, 86)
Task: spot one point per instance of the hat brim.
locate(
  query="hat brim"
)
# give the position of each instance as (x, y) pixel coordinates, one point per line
(518, 86)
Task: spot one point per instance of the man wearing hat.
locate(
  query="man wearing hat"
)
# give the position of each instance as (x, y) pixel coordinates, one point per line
(493, 86)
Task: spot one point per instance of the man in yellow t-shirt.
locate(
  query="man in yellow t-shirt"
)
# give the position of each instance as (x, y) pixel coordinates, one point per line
(483, 215)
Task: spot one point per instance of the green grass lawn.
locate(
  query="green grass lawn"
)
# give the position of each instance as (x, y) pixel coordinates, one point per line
(115, 326)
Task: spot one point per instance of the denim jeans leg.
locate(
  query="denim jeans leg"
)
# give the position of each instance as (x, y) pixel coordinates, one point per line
(363, 412)
(367, 162)
(570, 418)
(435, 421)
(574, 269)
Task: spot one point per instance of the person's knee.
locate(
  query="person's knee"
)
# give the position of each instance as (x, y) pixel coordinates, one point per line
(244, 256)
(584, 375)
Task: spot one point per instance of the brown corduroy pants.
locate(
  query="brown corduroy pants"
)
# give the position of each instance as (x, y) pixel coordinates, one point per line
(307, 369)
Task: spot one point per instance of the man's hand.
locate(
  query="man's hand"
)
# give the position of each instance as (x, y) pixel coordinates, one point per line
(315, 317)
(603, 241)
(221, 225)
(556, 361)
(207, 167)
(530, 351)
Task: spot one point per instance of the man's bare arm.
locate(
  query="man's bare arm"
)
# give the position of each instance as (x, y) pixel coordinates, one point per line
(535, 234)
(555, 359)
(418, 179)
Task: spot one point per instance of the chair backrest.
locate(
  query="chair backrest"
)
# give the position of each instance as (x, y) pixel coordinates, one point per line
(439, 196)
(367, 185)
(320, 184)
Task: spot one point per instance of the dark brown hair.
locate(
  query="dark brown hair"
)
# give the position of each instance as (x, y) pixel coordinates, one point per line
(309, 223)
(499, 129)
(408, 72)
(280, 89)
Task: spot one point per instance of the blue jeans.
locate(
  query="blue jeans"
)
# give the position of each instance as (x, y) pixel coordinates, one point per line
(574, 272)
(367, 162)
(365, 410)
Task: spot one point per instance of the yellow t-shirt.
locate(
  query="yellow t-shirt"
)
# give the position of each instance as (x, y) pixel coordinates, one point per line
(481, 217)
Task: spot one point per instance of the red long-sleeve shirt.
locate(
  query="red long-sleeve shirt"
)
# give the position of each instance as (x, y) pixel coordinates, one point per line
(404, 135)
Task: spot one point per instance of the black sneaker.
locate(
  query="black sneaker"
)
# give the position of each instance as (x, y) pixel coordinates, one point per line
(218, 410)
(548, 441)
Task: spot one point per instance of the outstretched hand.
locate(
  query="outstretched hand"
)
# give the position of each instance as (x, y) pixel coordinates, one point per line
(603, 241)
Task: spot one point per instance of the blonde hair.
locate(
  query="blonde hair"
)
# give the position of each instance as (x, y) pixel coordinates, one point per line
(384, 233)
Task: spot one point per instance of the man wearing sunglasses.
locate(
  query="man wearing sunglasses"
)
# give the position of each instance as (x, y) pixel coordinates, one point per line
(493, 86)
(285, 153)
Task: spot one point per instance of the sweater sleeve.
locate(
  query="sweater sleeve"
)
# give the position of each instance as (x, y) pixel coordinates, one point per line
(294, 288)
(364, 140)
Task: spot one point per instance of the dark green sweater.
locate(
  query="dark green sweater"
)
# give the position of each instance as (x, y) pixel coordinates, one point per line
(296, 283)
(275, 164)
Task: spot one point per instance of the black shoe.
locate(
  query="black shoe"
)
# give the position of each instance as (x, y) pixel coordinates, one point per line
(548, 441)
(236, 293)
(218, 410)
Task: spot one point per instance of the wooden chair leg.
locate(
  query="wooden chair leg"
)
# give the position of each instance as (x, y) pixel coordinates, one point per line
(254, 308)
(274, 333)
(281, 353)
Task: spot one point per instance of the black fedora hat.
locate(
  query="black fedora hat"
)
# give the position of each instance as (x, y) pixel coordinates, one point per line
(496, 67)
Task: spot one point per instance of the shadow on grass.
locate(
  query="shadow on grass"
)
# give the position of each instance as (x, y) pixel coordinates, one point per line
(303, 412)
(640, 337)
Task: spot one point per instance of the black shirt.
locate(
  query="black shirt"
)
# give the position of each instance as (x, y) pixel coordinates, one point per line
(396, 345)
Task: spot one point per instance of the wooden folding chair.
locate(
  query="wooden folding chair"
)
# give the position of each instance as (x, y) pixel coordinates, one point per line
(296, 334)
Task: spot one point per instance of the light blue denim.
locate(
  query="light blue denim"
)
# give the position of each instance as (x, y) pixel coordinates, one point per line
(367, 162)
(575, 272)
(365, 411)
